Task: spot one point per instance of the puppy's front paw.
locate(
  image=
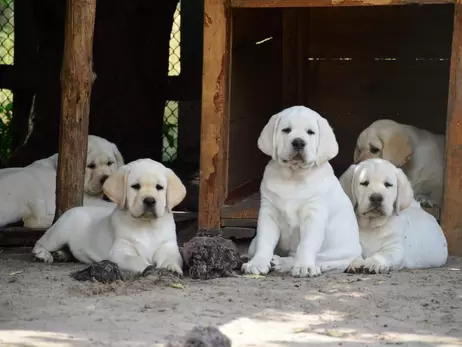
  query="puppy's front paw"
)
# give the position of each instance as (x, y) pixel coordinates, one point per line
(356, 266)
(173, 268)
(41, 254)
(375, 266)
(154, 270)
(281, 264)
(256, 266)
(305, 270)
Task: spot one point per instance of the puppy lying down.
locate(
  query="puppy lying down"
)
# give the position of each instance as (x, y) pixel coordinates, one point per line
(137, 233)
(395, 232)
(418, 152)
(305, 216)
(28, 193)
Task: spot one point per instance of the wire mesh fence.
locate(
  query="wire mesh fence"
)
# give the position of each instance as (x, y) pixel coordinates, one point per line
(170, 128)
(6, 58)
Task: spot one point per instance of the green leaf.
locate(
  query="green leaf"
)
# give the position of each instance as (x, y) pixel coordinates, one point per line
(9, 106)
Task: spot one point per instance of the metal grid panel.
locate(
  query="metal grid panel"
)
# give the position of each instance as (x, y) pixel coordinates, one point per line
(6, 58)
(170, 128)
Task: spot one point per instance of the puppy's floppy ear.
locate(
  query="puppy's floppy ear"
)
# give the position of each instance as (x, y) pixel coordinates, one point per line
(396, 147)
(118, 156)
(327, 143)
(176, 191)
(115, 187)
(347, 183)
(267, 140)
(404, 195)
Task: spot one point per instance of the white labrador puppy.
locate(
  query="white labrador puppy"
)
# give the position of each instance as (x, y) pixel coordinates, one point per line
(28, 193)
(304, 212)
(395, 232)
(419, 153)
(138, 232)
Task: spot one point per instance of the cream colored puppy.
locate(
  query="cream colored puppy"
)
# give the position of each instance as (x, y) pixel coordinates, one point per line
(395, 232)
(28, 193)
(418, 152)
(138, 232)
(304, 213)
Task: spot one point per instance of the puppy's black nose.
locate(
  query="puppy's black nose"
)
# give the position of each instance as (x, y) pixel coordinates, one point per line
(149, 201)
(298, 143)
(103, 179)
(376, 199)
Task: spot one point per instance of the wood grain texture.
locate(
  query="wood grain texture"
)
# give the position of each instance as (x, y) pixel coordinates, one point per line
(330, 3)
(214, 120)
(452, 216)
(76, 83)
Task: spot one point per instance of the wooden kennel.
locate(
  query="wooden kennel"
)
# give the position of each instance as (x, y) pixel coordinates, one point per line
(353, 61)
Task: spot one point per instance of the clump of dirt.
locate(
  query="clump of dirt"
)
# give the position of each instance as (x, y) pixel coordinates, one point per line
(210, 257)
(105, 278)
(103, 272)
(207, 336)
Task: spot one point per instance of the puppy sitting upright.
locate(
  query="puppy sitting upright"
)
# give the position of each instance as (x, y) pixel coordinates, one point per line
(137, 233)
(395, 232)
(304, 212)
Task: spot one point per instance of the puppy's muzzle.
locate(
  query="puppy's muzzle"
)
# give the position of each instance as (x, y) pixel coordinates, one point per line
(376, 200)
(298, 144)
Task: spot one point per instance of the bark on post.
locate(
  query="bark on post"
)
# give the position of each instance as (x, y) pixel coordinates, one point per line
(76, 83)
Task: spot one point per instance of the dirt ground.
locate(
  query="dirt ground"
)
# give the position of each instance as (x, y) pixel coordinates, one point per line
(40, 305)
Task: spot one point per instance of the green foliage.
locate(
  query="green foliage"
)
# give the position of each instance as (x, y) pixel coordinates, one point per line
(6, 115)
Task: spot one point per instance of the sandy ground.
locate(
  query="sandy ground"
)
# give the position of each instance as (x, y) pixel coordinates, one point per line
(40, 305)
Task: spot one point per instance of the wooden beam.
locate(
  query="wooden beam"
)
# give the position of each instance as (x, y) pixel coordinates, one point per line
(452, 206)
(214, 123)
(330, 3)
(76, 83)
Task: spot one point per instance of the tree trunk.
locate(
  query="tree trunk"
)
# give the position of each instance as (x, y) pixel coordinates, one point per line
(76, 82)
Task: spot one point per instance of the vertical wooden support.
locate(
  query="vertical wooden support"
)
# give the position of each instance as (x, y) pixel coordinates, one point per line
(452, 210)
(215, 109)
(76, 83)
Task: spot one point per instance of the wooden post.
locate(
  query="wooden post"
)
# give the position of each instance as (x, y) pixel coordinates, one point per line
(452, 208)
(214, 120)
(76, 83)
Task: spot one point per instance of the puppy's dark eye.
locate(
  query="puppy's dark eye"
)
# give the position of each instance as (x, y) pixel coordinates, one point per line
(286, 130)
(159, 187)
(310, 132)
(91, 166)
(388, 185)
(110, 162)
(136, 186)
(365, 183)
(374, 150)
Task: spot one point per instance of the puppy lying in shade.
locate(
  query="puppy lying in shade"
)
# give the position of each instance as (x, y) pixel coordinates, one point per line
(419, 153)
(28, 193)
(137, 233)
(395, 232)
(305, 216)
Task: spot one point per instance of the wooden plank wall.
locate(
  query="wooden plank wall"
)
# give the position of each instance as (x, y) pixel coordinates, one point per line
(366, 63)
(256, 90)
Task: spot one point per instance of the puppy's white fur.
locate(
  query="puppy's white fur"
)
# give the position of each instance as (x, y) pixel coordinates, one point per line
(398, 233)
(304, 214)
(28, 193)
(133, 235)
(419, 153)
